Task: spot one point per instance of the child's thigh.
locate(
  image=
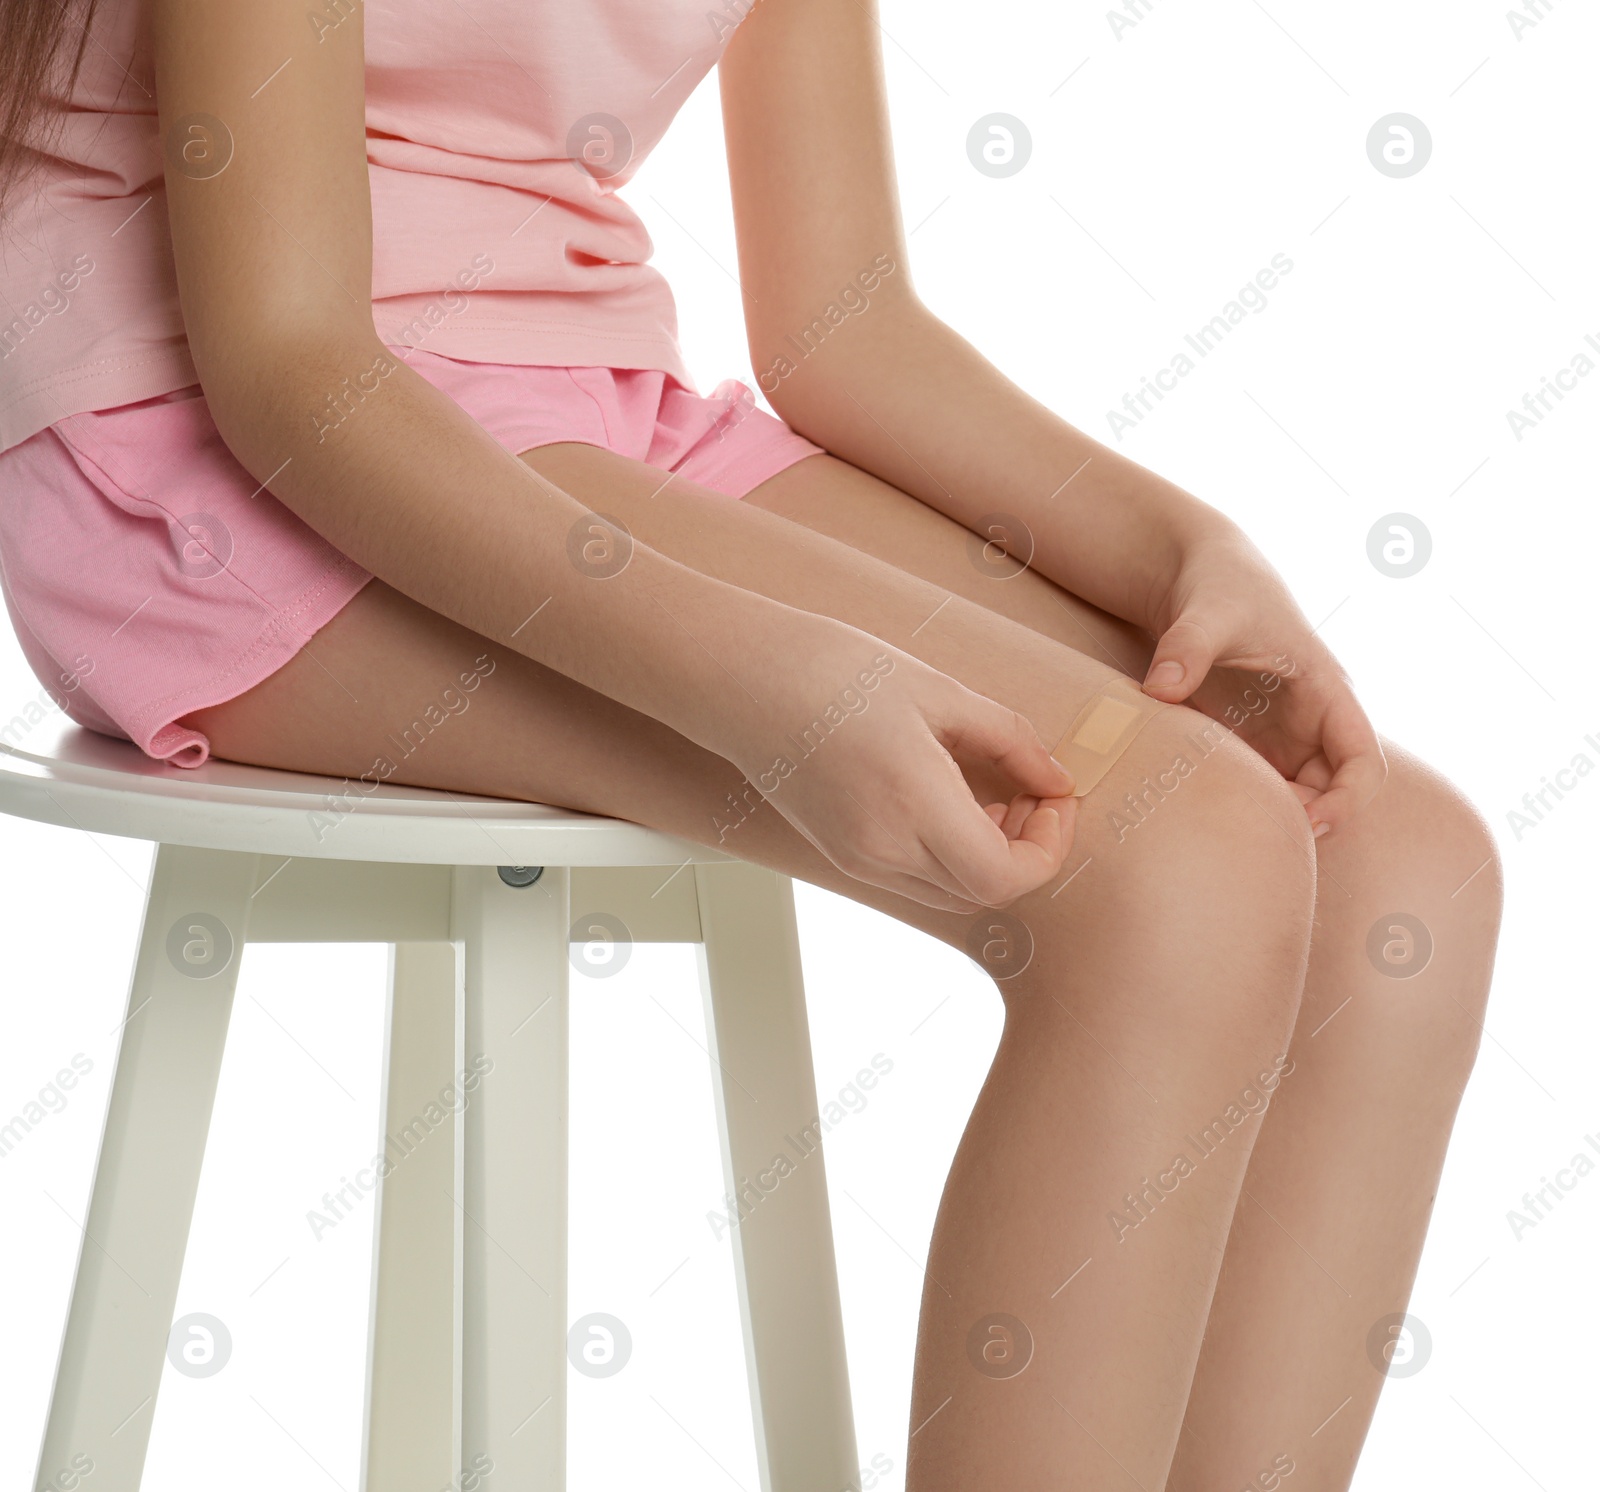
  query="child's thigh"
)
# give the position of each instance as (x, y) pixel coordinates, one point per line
(1128, 900)
(1187, 822)
(835, 498)
(879, 586)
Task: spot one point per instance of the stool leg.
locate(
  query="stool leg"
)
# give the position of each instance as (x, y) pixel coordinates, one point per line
(411, 1359)
(513, 1181)
(783, 1249)
(131, 1254)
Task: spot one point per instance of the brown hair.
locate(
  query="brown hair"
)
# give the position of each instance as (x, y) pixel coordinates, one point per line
(36, 40)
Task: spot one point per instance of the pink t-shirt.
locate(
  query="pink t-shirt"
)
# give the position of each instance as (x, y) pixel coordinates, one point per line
(496, 140)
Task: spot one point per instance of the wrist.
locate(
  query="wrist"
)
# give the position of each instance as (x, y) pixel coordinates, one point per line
(811, 673)
(1195, 533)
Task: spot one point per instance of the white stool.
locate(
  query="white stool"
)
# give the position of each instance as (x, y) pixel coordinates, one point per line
(467, 1353)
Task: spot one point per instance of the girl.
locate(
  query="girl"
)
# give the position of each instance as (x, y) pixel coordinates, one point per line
(334, 368)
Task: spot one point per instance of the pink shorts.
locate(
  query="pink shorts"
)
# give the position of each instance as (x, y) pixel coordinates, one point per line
(148, 574)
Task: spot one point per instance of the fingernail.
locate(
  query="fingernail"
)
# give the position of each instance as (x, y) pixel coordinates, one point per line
(1318, 829)
(1165, 675)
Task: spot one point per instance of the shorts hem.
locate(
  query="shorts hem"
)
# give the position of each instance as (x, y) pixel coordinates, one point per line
(723, 442)
(155, 729)
(756, 461)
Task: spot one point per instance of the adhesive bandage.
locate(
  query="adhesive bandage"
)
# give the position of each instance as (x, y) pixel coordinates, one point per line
(1104, 729)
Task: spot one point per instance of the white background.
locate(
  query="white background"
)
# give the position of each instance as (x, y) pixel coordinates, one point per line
(1180, 157)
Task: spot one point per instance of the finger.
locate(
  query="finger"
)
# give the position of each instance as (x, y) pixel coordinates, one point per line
(963, 850)
(983, 730)
(1304, 793)
(1049, 829)
(1066, 812)
(1353, 751)
(998, 812)
(1314, 776)
(990, 868)
(1016, 814)
(1183, 657)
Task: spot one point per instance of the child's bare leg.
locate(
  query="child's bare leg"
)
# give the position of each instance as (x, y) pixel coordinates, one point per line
(1325, 1245)
(1163, 978)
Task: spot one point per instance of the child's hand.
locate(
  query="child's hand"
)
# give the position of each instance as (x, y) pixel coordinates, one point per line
(1227, 620)
(884, 797)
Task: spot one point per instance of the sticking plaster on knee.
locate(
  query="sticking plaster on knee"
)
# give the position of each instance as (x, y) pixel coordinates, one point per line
(1103, 731)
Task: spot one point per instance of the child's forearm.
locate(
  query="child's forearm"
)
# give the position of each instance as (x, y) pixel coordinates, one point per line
(904, 396)
(401, 479)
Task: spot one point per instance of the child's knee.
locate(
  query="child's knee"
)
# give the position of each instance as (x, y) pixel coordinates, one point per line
(1189, 796)
(1193, 869)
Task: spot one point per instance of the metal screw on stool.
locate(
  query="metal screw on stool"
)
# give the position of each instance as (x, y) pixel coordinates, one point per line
(520, 875)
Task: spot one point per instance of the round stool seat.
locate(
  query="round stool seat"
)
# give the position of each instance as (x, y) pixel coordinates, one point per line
(77, 778)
